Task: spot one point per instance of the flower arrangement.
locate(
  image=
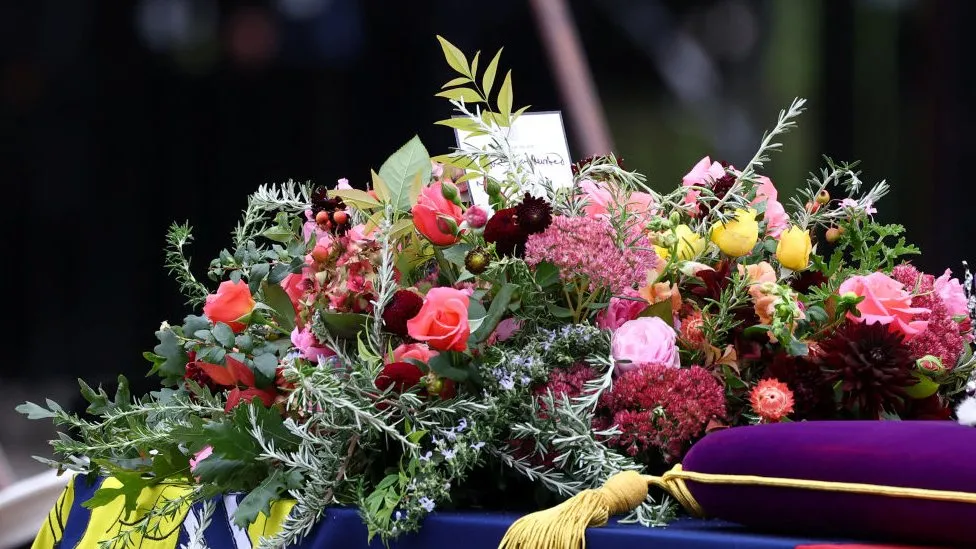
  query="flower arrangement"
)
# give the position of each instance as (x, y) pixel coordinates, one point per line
(379, 348)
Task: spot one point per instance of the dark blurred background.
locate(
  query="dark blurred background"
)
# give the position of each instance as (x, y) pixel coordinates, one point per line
(120, 117)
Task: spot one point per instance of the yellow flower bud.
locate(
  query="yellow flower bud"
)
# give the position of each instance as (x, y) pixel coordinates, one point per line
(793, 250)
(690, 243)
(662, 252)
(737, 237)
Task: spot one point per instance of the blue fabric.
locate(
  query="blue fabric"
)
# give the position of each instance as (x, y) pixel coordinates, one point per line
(342, 528)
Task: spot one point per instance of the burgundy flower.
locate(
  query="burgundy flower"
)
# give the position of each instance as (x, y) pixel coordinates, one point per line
(399, 375)
(504, 231)
(404, 306)
(533, 215)
(813, 396)
(872, 364)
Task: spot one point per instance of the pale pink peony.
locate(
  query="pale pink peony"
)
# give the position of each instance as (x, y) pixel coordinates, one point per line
(307, 344)
(952, 294)
(647, 340)
(621, 310)
(885, 301)
(414, 351)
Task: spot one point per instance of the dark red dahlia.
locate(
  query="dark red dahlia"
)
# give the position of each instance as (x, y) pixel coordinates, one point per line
(808, 279)
(404, 306)
(872, 364)
(813, 396)
(399, 375)
(533, 215)
(713, 281)
(504, 231)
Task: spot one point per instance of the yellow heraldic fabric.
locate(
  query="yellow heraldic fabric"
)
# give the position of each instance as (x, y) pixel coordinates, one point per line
(108, 520)
(86, 528)
(265, 526)
(52, 530)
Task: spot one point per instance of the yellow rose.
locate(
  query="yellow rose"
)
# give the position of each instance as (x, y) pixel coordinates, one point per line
(737, 237)
(793, 250)
(690, 243)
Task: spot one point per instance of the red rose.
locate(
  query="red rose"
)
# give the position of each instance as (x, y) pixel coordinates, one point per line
(230, 303)
(400, 375)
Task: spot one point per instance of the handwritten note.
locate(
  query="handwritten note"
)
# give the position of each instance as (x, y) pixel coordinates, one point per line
(539, 135)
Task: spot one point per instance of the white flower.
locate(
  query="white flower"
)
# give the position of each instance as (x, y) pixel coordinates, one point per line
(966, 412)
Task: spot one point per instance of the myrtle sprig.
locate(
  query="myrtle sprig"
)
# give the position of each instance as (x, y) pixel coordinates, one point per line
(178, 264)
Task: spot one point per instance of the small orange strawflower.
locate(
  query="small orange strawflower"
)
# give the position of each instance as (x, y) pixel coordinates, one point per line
(771, 399)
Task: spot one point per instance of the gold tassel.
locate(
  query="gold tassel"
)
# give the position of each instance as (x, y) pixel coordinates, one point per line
(564, 526)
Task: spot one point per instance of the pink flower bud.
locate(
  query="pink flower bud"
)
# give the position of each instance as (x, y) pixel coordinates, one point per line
(476, 217)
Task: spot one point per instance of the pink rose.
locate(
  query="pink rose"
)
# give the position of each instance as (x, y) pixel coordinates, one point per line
(231, 302)
(599, 199)
(703, 174)
(443, 320)
(951, 293)
(775, 217)
(414, 351)
(885, 301)
(307, 344)
(430, 213)
(621, 310)
(647, 340)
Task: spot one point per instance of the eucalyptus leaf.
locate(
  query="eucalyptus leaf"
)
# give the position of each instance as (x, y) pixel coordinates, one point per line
(258, 273)
(223, 334)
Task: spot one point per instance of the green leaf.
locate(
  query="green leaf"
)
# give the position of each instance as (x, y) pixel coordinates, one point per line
(192, 323)
(474, 64)
(505, 97)
(401, 228)
(546, 274)
(265, 367)
(34, 411)
(461, 94)
(662, 310)
(476, 315)
(344, 325)
(456, 253)
(257, 273)
(284, 312)
(488, 80)
(278, 234)
(559, 311)
(169, 347)
(278, 272)
(457, 82)
(259, 500)
(797, 348)
(463, 124)
(455, 57)
(442, 365)
(400, 169)
(923, 389)
(379, 187)
(499, 304)
(223, 334)
(357, 198)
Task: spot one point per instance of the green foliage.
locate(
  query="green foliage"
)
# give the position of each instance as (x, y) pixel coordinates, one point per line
(405, 173)
(869, 247)
(177, 238)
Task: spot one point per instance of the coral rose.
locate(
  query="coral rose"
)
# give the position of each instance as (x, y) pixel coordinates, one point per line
(433, 215)
(413, 351)
(231, 302)
(443, 320)
(885, 302)
(647, 340)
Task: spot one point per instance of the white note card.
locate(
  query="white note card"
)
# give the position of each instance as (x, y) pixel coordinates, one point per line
(541, 136)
